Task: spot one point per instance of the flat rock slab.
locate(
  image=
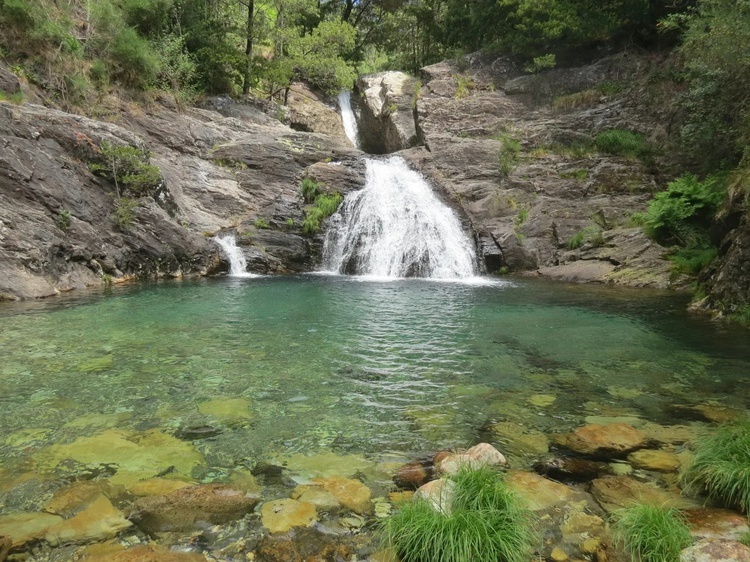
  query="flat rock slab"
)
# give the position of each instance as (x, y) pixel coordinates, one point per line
(184, 508)
(147, 553)
(21, 528)
(538, 492)
(604, 440)
(708, 523)
(281, 516)
(616, 492)
(658, 461)
(99, 521)
(709, 550)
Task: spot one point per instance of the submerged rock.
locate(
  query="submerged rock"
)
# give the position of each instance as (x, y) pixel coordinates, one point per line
(184, 508)
(658, 461)
(145, 553)
(282, 515)
(350, 493)
(230, 411)
(539, 493)
(616, 492)
(22, 528)
(604, 440)
(136, 456)
(303, 545)
(572, 469)
(99, 521)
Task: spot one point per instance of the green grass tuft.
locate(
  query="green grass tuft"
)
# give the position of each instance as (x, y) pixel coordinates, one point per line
(722, 465)
(651, 533)
(325, 206)
(620, 142)
(309, 189)
(691, 261)
(590, 234)
(486, 523)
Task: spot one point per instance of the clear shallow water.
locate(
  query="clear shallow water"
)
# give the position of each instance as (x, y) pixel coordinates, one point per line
(333, 363)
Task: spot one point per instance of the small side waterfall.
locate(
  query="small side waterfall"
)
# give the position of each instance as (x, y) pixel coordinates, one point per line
(348, 117)
(237, 261)
(397, 227)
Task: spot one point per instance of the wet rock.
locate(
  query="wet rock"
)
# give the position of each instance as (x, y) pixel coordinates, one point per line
(517, 440)
(387, 117)
(136, 456)
(711, 550)
(709, 523)
(184, 508)
(230, 411)
(477, 456)
(244, 481)
(303, 545)
(413, 475)
(158, 487)
(350, 493)
(282, 515)
(69, 500)
(537, 492)
(197, 432)
(616, 492)
(22, 528)
(324, 465)
(658, 461)
(316, 495)
(308, 111)
(559, 555)
(670, 434)
(572, 469)
(99, 521)
(5, 545)
(604, 440)
(714, 413)
(438, 493)
(146, 553)
(579, 526)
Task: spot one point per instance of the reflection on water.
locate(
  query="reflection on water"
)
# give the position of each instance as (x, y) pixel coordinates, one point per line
(364, 367)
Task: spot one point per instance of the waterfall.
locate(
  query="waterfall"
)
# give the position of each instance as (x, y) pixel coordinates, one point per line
(348, 117)
(397, 227)
(237, 261)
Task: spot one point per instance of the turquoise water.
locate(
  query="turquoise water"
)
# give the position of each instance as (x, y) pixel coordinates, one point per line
(339, 364)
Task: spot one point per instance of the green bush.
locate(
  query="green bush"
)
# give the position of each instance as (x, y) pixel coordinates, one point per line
(510, 149)
(309, 189)
(651, 533)
(261, 223)
(691, 261)
(620, 142)
(125, 212)
(136, 64)
(544, 62)
(129, 168)
(683, 213)
(63, 219)
(486, 522)
(722, 465)
(325, 206)
(590, 234)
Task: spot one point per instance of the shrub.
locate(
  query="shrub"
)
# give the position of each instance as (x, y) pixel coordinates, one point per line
(464, 85)
(691, 261)
(125, 212)
(63, 219)
(651, 533)
(683, 212)
(590, 234)
(543, 62)
(261, 223)
(721, 465)
(325, 206)
(620, 142)
(136, 64)
(309, 190)
(128, 167)
(510, 148)
(485, 522)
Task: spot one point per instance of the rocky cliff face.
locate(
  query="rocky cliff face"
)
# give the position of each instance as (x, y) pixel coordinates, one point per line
(224, 167)
(516, 154)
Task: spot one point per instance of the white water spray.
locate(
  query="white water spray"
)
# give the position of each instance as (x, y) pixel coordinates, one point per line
(348, 117)
(237, 261)
(397, 227)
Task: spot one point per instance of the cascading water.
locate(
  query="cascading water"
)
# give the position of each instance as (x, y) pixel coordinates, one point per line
(348, 117)
(237, 261)
(397, 227)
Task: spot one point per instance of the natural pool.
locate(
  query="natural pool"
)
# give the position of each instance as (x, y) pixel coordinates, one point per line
(319, 364)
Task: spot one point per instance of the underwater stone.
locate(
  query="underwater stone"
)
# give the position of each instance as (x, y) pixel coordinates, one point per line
(282, 515)
(612, 439)
(146, 553)
(537, 492)
(350, 493)
(231, 411)
(616, 492)
(99, 521)
(25, 527)
(658, 461)
(183, 509)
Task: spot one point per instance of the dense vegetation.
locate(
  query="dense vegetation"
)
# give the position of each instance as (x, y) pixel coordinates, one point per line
(652, 533)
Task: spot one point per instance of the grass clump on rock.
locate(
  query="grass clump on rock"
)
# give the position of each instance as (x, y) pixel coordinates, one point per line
(651, 533)
(722, 465)
(485, 521)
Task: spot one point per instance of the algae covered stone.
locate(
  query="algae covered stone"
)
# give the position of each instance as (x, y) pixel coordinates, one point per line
(137, 456)
(282, 515)
(230, 411)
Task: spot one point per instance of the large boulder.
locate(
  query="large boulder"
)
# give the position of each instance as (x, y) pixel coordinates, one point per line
(387, 112)
(711, 550)
(604, 440)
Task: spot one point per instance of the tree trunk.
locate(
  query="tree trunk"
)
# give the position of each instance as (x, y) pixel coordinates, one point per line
(248, 49)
